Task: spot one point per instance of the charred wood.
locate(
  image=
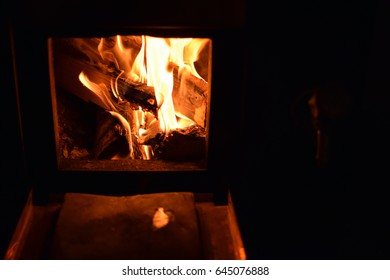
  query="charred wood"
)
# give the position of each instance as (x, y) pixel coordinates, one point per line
(139, 95)
(182, 147)
(110, 138)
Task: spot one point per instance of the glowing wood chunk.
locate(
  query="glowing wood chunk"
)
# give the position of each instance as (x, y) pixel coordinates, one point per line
(160, 219)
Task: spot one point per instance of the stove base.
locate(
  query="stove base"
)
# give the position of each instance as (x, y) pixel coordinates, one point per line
(88, 226)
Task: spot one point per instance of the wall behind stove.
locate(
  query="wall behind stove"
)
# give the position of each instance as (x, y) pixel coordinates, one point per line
(288, 207)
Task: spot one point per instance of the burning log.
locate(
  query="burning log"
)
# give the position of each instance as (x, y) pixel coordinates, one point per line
(67, 76)
(182, 146)
(110, 138)
(190, 100)
(139, 95)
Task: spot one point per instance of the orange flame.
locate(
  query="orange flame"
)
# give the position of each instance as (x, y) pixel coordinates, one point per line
(151, 61)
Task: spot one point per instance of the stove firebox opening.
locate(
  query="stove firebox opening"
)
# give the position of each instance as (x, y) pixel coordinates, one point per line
(130, 101)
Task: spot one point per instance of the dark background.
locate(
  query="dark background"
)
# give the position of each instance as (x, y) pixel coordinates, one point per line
(288, 205)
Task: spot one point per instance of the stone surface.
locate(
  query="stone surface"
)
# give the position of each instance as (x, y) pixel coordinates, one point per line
(94, 226)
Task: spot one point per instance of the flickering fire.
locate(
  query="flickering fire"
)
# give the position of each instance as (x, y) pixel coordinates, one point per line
(152, 86)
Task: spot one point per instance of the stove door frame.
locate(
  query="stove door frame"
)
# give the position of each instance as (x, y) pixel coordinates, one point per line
(30, 43)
